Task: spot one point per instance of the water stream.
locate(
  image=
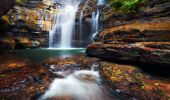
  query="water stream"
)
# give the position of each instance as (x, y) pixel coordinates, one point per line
(86, 85)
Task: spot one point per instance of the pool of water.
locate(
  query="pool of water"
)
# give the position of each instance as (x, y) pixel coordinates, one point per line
(38, 55)
(41, 54)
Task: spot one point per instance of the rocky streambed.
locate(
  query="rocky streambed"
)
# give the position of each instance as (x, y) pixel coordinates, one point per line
(22, 79)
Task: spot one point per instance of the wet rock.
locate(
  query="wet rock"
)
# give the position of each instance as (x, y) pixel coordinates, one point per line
(129, 81)
(70, 63)
(138, 42)
(21, 79)
(132, 53)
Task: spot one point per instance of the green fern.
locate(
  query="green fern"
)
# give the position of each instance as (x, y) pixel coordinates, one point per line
(126, 5)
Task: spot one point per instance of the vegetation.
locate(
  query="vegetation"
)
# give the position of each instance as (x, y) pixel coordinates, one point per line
(126, 5)
(5, 18)
(20, 2)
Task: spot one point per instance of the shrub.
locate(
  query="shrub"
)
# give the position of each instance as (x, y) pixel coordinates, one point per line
(20, 2)
(126, 5)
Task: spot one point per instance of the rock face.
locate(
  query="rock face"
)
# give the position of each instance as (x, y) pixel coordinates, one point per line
(5, 6)
(24, 26)
(143, 39)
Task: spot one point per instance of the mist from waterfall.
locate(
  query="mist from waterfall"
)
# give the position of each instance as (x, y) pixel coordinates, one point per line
(64, 24)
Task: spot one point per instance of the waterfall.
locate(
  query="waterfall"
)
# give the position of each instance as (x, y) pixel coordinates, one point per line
(81, 23)
(101, 2)
(95, 19)
(95, 23)
(64, 24)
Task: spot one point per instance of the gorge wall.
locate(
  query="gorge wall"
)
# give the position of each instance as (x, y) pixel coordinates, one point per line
(23, 25)
(140, 37)
(5, 6)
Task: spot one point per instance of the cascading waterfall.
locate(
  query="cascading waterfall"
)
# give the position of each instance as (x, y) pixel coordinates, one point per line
(95, 19)
(81, 17)
(62, 31)
(64, 24)
(95, 23)
(101, 2)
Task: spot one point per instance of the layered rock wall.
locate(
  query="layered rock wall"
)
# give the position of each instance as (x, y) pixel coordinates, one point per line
(141, 38)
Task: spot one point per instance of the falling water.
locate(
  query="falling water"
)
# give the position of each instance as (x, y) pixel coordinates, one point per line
(95, 19)
(95, 23)
(101, 2)
(64, 25)
(81, 28)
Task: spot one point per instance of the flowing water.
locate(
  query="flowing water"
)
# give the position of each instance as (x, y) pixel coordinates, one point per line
(86, 85)
(95, 23)
(64, 24)
(81, 28)
(80, 84)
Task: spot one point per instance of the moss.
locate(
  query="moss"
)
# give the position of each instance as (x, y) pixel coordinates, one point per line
(126, 6)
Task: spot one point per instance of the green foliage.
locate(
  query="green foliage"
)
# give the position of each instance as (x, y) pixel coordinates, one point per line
(126, 5)
(20, 2)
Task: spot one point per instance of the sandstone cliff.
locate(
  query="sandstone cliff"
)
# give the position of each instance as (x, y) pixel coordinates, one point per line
(142, 37)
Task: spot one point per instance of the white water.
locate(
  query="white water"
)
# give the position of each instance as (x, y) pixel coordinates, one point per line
(81, 28)
(95, 19)
(64, 25)
(80, 85)
(95, 23)
(101, 2)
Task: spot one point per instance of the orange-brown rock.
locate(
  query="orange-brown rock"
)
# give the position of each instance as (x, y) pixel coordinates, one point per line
(22, 80)
(137, 42)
